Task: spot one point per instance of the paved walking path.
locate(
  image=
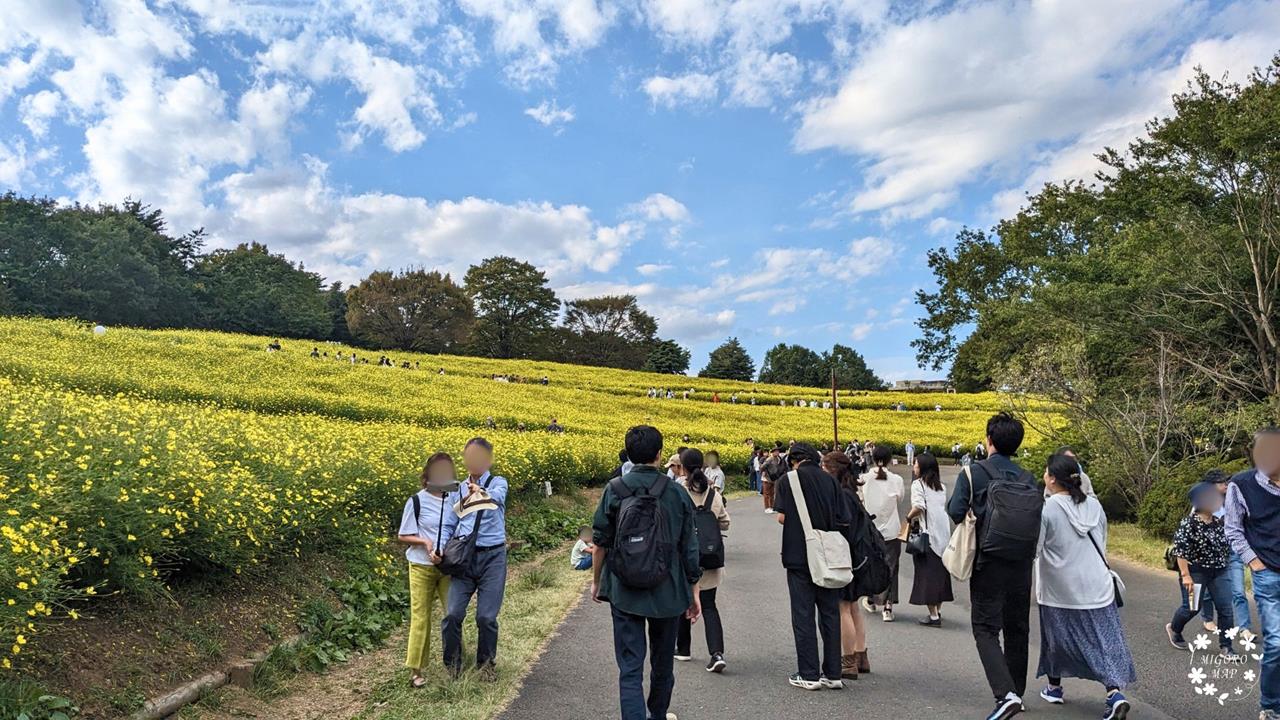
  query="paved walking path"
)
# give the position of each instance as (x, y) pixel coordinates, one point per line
(917, 672)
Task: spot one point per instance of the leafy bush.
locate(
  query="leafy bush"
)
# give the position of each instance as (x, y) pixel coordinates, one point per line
(1166, 503)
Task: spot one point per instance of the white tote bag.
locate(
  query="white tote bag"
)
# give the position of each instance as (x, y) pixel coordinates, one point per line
(963, 547)
(830, 562)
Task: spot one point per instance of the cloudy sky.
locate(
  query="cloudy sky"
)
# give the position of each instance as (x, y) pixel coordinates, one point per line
(770, 169)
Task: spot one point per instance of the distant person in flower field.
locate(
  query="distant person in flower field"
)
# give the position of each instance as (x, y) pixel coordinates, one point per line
(713, 471)
(427, 524)
(1253, 525)
(580, 556)
(647, 566)
(486, 577)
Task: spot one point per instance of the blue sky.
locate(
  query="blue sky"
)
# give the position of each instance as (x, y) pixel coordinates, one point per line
(771, 170)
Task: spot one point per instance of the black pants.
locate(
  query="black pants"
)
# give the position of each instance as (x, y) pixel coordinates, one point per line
(710, 620)
(1000, 593)
(629, 644)
(893, 555)
(805, 598)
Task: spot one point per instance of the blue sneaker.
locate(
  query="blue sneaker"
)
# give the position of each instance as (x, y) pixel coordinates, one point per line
(1117, 707)
(1053, 695)
(1006, 708)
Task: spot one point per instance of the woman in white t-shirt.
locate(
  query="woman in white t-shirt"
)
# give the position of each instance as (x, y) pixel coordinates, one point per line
(713, 471)
(882, 491)
(426, 533)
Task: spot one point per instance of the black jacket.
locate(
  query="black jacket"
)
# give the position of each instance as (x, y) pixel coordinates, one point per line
(828, 510)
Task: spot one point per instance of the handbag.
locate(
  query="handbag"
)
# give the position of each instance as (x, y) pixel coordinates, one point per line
(917, 541)
(830, 562)
(1116, 583)
(456, 557)
(962, 549)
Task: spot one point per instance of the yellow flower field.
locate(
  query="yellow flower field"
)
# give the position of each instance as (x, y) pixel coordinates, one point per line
(136, 456)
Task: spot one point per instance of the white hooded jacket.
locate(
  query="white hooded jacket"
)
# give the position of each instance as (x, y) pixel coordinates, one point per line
(1069, 571)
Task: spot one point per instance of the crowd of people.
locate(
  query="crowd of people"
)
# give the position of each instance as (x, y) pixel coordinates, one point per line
(656, 554)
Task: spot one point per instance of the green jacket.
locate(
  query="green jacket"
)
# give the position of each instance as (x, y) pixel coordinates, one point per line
(670, 598)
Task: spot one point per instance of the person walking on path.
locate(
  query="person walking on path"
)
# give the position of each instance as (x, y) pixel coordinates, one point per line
(646, 566)
(1201, 548)
(426, 525)
(853, 626)
(882, 490)
(932, 583)
(910, 451)
(1080, 631)
(775, 468)
(486, 577)
(1000, 587)
(827, 511)
(1235, 573)
(707, 498)
(1253, 525)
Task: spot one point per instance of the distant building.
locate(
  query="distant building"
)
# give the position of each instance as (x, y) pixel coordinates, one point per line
(922, 385)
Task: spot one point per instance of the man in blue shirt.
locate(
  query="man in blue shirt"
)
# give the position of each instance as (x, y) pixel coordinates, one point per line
(487, 576)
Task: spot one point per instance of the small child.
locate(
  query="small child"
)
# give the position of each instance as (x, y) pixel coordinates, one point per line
(580, 558)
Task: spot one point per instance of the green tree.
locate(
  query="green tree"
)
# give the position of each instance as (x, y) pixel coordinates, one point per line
(793, 365)
(107, 264)
(611, 331)
(730, 361)
(413, 310)
(247, 289)
(851, 371)
(667, 357)
(336, 300)
(514, 307)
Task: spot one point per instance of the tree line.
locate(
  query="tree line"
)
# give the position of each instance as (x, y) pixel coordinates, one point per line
(1146, 303)
(120, 265)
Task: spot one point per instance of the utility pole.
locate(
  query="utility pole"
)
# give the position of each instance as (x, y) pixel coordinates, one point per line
(835, 411)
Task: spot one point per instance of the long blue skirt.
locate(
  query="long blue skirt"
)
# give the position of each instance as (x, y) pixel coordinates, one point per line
(1085, 644)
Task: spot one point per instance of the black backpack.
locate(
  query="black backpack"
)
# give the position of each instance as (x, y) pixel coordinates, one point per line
(641, 554)
(870, 554)
(707, 527)
(1011, 522)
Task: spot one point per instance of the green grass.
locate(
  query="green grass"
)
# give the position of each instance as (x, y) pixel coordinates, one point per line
(545, 591)
(1132, 543)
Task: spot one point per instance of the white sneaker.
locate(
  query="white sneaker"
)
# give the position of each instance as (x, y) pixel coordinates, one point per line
(887, 615)
(797, 681)
(867, 605)
(683, 658)
(769, 511)
(836, 684)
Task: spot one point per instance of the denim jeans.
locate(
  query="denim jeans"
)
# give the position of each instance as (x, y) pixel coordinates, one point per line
(584, 563)
(1239, 600)
(755, 481)
(629, 645)
(487, 580)
(1266, 593)
(1217, 584)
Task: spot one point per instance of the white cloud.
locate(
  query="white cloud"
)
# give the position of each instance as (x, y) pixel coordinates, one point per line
(651, 269)
(942, 226)
(548, 113)
(397, 103)
(760, 78)
(661, 207)
(36, 111)
(861, 331)
(534, 36)
(13, 164)
(952, 98)
(670, 92)
(347, 236)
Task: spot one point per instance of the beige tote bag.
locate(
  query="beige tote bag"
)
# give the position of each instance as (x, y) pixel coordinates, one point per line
(963, 548)
(830, 562)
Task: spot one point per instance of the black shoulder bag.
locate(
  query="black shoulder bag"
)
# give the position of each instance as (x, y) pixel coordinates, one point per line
(456, 557)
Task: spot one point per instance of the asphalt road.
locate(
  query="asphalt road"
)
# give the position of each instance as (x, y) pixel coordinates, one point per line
(917, 672)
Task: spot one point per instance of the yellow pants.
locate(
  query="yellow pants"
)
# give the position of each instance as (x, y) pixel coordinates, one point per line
(426, 585)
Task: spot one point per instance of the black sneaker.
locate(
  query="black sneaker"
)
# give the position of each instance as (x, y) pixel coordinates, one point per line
(1175, 639)
(683, 655)
(1006, 708)
(716, 664)
(931, 622)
